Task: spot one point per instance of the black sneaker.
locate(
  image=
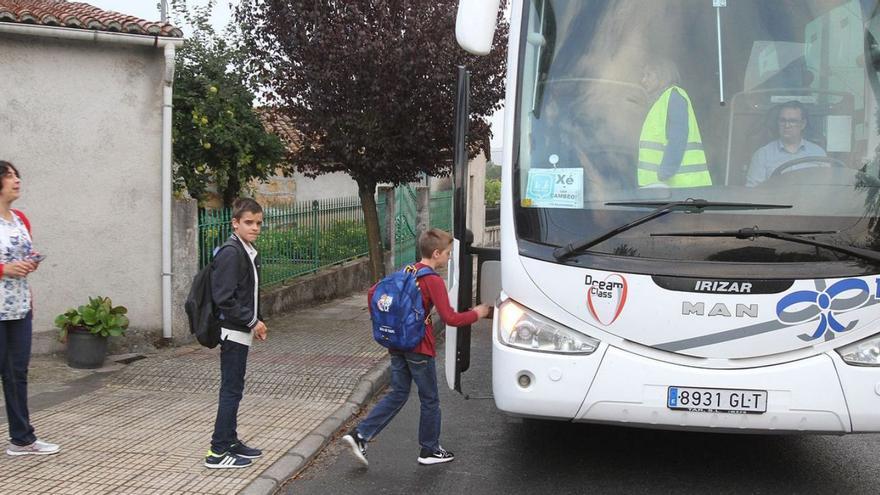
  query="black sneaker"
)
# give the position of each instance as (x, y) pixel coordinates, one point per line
(225, 460)
(358, 446)
(426, 457)
(242, 450)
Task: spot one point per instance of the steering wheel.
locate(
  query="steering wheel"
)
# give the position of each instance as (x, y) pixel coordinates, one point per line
(805, 159)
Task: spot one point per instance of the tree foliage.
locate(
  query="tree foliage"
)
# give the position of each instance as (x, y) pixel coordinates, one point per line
(370, 85)
(217, 134)
(493, 192)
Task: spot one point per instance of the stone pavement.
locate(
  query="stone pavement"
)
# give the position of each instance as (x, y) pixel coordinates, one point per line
(144, 427)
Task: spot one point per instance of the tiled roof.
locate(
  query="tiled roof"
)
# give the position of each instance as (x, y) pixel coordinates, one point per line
(280, 125)
(61, 13)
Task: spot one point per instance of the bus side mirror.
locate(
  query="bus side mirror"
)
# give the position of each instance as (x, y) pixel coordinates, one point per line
(490, 282)
(475, 25)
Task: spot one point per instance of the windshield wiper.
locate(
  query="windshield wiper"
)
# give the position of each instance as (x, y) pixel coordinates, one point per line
(789, 235)
(660, 208)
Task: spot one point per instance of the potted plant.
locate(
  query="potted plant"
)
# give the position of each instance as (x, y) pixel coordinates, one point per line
(86, 329)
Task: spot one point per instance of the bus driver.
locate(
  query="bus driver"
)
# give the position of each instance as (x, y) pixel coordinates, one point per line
(791, 145)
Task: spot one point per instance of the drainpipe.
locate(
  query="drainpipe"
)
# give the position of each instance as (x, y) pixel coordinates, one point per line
(166, 191)
(168, 44)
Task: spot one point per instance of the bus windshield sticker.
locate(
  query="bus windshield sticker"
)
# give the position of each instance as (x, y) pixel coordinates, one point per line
(555, 187)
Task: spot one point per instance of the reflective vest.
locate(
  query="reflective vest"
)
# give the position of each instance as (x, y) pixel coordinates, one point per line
(694, 171)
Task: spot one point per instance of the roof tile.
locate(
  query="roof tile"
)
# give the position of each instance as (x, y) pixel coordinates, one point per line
(82, 16)
(282, 126)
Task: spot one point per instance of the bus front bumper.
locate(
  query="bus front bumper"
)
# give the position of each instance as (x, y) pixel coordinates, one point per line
(616, 386)
(802, 396)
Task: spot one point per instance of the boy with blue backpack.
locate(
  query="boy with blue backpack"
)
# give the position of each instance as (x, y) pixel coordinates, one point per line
(415, 364)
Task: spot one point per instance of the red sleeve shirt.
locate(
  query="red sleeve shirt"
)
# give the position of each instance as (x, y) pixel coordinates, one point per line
(434, 295)
(24, 219)
(27, 225)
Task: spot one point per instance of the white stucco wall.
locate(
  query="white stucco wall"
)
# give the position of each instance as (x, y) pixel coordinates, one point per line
(82, 122)
(335, 185)
(476, 201)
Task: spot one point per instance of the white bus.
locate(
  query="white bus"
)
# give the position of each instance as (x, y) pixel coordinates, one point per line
(743, 301)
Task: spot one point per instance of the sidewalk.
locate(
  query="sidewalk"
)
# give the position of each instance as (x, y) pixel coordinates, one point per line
(144, 427)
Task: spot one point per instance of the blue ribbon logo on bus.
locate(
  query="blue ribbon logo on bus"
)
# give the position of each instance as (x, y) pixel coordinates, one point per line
(825, 305)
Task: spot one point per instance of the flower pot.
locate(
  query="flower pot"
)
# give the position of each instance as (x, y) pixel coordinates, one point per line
(85, 350)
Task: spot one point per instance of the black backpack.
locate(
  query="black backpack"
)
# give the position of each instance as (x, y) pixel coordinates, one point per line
(200, 309)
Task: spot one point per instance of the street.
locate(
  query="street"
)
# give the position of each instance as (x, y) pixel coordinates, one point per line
(497, 454)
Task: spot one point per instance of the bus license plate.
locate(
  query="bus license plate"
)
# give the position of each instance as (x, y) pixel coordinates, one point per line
(717, 400)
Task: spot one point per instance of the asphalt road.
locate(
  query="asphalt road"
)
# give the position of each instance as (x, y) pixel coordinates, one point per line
(497, 454)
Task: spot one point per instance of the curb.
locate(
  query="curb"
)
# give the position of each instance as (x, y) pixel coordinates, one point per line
(299, 456)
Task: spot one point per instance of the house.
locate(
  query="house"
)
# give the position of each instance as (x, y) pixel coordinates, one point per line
(297, 187)
(281, 189)
(85, 114)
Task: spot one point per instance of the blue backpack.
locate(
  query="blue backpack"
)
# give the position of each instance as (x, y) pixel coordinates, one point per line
(397, 309)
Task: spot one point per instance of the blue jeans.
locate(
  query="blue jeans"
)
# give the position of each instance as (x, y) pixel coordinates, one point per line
(15, 356)
(407, 368)
(233, 364)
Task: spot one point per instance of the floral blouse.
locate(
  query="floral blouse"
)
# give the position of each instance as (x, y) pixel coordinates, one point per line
(15, 245)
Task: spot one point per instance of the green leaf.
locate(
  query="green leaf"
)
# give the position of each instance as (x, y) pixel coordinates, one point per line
(89, 316)
(61, 320)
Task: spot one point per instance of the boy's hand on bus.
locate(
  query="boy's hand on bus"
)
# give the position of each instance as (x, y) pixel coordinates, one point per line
(260, 331)
(482, 310)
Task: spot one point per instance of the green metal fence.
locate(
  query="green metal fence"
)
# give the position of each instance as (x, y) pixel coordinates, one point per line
(297, 239)
(304, 237)
(405, 226)
(441, 210)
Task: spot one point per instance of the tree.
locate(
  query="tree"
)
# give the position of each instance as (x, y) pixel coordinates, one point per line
(218, 136)
(370, 85)
(492, 192)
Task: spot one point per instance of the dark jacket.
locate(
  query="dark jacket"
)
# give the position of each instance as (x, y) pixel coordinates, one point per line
(232, 286)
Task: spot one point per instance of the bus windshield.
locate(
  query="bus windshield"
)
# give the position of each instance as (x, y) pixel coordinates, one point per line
(627, 104)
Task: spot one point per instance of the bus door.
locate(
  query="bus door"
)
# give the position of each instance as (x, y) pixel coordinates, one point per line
(465, 255)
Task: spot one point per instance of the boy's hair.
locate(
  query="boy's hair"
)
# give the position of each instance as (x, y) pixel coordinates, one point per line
(433, 240)
(245, 205)
(5, 168)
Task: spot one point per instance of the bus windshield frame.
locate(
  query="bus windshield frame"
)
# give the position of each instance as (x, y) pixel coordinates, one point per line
(605, 96)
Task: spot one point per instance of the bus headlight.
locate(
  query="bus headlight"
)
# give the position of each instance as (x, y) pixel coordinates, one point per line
(523, 329)
(865, 352)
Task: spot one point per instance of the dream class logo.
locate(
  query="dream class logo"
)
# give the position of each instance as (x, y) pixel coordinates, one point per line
(824, 305)
(606, 298)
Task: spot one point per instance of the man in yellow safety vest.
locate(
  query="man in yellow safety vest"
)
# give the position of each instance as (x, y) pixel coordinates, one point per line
(670, 147)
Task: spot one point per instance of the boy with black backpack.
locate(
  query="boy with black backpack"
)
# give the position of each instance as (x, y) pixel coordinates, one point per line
(235, 292)
(417, 365)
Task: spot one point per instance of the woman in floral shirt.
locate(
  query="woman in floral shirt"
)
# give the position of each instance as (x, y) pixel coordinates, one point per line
(17, 260)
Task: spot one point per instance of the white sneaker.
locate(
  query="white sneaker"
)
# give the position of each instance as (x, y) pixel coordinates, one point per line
(39, 447)
(358, 446)
(427, 458)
